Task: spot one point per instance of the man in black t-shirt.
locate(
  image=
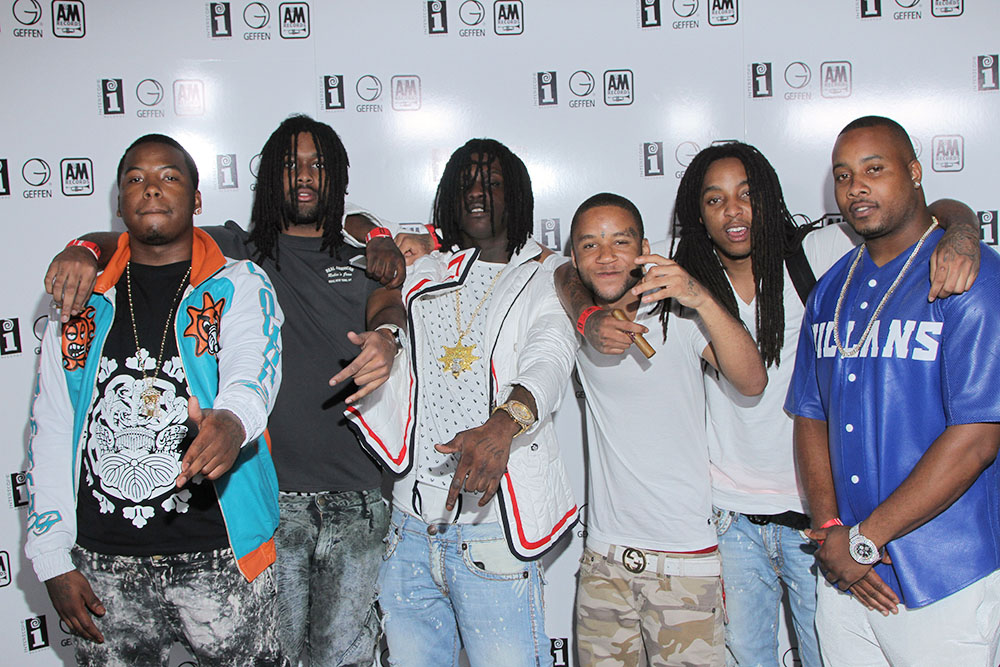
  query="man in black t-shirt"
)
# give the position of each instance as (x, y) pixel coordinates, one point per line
(155, 399)
(338, 323)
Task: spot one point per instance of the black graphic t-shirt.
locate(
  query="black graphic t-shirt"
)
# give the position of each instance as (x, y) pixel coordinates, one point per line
(127, 502)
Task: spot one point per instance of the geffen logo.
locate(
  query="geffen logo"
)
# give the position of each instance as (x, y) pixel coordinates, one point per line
(18, 480)
(760, 80)
(112, 97)
(294, 20)
(723, 12)
(581, 83)
(405, 90)
(947, 8)
(508, 17)
(619, 87)
(36, 633)
(987, 227)
(948, 152)
(907, 4)
(5, 573)
(68, 20)
(149, 92)
(551, 234)
(4, 178)
(220, 19)
(652, 158)
(227, 177)
(368, 88)
(27, 12)
(256, 15)
(685, 152)
(189, 97)
(472, 12)
(685, 8)
(870, 9)
(10, 338)
(437, 17)
(798, 75)
(333, 91)
(649, 14)
(559, 650)
(77, 176)
(545, 89)
(36, 172)
(987, 72)
(835, 79)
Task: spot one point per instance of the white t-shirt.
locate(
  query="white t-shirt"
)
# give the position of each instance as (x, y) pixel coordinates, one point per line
(750, 437)
(648, 485)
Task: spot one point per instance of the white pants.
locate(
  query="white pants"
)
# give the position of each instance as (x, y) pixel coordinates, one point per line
(961, 629)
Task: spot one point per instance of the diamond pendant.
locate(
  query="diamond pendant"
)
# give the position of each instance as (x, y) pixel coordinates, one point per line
(458, 358)
(150, 397)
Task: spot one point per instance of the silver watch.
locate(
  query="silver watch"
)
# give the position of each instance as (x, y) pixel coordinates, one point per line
(862, 549)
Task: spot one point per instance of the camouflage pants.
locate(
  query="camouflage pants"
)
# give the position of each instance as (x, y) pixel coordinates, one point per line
(198, 599)
(636, 617)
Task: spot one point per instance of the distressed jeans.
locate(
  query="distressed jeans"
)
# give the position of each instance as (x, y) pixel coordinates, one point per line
(443, 586)
(199, 599)
(756, 560)
(328, 557)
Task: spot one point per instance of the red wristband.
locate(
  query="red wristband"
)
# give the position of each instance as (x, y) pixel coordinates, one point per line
(376, 233)
(832, 522)
(583, 317)
(92, 247)
(434, 236)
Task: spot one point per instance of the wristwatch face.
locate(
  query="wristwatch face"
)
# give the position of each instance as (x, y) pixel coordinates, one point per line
(863, 550)
(520, 412)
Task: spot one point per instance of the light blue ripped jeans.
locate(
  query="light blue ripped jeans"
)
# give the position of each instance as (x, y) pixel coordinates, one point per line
(756, 560)
(443, 586)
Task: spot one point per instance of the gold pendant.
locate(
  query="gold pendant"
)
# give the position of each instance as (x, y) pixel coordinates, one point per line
(457, 359)
(150, 401)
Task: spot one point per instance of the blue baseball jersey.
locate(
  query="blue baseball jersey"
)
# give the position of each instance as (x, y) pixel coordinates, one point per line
(924, 367)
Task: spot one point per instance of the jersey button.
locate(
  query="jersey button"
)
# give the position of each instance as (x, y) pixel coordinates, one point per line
(855, 479)
(864, 305)
(872, 282)
(849, 428)
(852, 377)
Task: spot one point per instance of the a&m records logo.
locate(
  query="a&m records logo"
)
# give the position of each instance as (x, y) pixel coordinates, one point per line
(987, 72)
(437, 17)
(36, 633)
(4, 178)
(333, 91)
(652, 159)
(112, 97)
(947, 8)
(619, 87)
(77, 175)
(988, 226)
(294, 17)
(405, 92)
(546, 91)
(650, 15)
(189, 97)
(227, 175)
(836, 79)
(68, 19)
(508, 17)
(220, 19)
(723, 12)
(948, 152)
(5, 574)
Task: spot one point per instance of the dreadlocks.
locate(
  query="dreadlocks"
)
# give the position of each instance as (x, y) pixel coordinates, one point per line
(773, 236)
(272, 211)
(449, 202)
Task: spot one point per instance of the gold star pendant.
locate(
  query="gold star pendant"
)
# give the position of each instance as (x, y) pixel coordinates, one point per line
(457, 359)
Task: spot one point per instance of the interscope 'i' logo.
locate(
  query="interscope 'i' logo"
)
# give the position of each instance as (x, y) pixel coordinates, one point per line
(112, 97)
(987, 72)
(220, 20)
(652, 158)
(649, 14)
(437, 17)
(546, 90)
(760, 80)
(333, 91)
(988, 227)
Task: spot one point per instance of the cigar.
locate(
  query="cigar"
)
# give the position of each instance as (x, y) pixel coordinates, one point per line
(640, 342)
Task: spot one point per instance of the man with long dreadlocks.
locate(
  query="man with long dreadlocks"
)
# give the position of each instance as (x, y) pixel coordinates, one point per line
(467, 423)
(333, 518)
(770, 266)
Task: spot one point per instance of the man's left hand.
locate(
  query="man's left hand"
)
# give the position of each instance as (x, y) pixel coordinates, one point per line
(370, 369)
(834, 556)
(955, 262)
(483, 453)
(216, 446)
(385, 262)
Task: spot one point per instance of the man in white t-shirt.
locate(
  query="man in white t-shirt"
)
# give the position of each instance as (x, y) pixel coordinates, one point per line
(649, 583)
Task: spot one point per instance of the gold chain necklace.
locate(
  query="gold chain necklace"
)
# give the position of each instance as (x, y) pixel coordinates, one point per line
(459, 358)
(856, 348)
(150, 395)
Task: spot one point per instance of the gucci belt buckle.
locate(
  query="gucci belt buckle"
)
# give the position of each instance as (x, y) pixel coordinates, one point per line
(634, 560)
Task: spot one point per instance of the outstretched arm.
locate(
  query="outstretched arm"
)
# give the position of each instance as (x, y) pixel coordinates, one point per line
(955, 262)
(73, 272)
(370, 369)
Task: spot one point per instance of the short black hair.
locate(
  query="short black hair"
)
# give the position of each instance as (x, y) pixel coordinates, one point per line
(608, 199)
(161, 139)
(895, 129)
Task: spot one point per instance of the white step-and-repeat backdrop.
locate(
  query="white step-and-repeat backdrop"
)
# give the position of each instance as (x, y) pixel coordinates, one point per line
(593, 95)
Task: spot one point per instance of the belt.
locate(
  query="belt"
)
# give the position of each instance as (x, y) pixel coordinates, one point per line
(637, 560)
(789, 519)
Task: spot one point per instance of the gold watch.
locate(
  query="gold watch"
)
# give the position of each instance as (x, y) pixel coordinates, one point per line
(519, 412)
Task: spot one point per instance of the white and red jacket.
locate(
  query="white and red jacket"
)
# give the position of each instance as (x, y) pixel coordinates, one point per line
(531, 344)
